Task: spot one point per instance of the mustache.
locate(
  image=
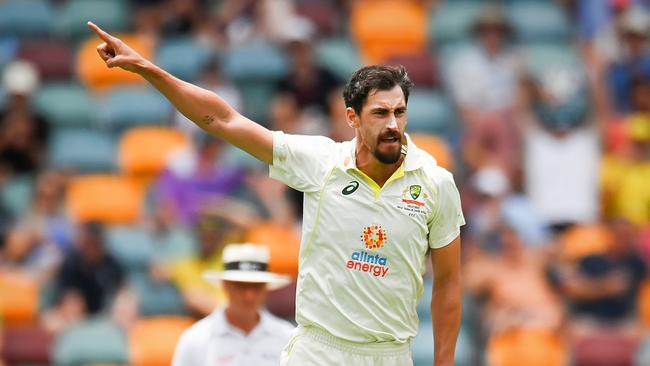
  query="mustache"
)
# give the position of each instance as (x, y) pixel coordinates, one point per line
(391, 134)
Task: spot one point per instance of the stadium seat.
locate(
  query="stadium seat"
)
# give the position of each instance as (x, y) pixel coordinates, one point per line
(384, 28)
(152, 341)
(111, 15)
(255, 67)
(18, 298)
(339, 56)
(282, 302)
(604, 348)
(583, 240)
(26, 18)
(429, 112)
(435, 146)
(91, 342)
(156, 298)
(531, 347)
(145, 150)
(53, 59)
(542, 58)
(130, 106)
(283, 243)
(643, 304)
(451, 22)
(66, 105)
(26, 346)
(16, 194)
(421, 68)
(538, 21)
(106, 198)
(132, 247)
(84, 150)
(92, 71)
(184, 58)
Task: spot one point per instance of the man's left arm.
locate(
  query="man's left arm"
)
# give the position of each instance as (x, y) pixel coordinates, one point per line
(446, 301)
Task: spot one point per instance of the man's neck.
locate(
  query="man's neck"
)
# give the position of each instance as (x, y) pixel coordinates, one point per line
(373, 168)
(245, 321)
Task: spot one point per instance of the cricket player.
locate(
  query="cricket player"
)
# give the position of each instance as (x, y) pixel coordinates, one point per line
(375, 209)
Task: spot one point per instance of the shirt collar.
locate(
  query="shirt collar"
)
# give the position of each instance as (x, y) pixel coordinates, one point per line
(220, 325)
(412, 161)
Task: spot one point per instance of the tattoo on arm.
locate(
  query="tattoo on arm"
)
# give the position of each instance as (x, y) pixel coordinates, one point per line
(208, 119)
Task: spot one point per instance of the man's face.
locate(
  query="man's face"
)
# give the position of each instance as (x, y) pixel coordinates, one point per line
(245, 296)
(381, 124)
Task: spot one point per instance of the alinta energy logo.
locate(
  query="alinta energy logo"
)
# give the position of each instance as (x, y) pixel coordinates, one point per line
(373, 238)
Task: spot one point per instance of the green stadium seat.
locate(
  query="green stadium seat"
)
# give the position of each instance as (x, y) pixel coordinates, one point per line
(124, 107)
(156, 298)
(66, 105)
(184, 58)
(339, 56)
(452, 21)
(175, 244)
(430, 112)
(255, 61)
(537, 21)
(84, 150)
(93, 341)
(131, 247)
(111, 15)
(16, 194)
(540, 58)
(26, 18)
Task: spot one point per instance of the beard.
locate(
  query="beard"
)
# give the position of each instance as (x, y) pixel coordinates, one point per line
(390, 157)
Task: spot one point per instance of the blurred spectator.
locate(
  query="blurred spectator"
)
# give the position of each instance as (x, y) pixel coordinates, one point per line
(602, 285)
(242, 333)
(183, 17)
(23, 133)
(625, 176)
(194, 178)
(484, 77)
(339, 130)
(503, 276)
(246, 20)
(561, 150)
(211, 79)
(635, 57)
(287, 116)
(308, 83)
(199, 296)
(483, 81)
(88, 280)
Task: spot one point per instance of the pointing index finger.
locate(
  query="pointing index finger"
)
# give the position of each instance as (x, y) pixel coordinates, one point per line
(100, 32)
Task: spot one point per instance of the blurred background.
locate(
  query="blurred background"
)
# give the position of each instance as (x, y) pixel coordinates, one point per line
(112, 204)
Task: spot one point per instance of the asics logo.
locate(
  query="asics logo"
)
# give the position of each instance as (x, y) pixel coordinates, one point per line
(350, 188)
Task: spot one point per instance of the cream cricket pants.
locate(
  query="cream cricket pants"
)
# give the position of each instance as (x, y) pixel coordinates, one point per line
(311, 346)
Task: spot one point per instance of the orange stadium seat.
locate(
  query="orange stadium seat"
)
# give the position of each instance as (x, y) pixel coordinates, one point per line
(583, 240)
(18, 298)
(643, 304)
(530, 347)
(144, 150)
(92, 71)
(152, 341)
(107, 198)
(435, 146)
(384, 28)
(283, 243)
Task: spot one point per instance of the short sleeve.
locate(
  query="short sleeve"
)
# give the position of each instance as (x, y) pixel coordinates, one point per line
(185, 352)
(445, 224)
(301, 162)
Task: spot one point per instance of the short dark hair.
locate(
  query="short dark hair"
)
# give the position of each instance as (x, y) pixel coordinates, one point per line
(375, 77)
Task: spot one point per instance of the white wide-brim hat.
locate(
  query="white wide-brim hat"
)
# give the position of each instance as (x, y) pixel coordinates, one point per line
(247, 263)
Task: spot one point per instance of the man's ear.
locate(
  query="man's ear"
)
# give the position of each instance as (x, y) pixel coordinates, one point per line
(352, 117)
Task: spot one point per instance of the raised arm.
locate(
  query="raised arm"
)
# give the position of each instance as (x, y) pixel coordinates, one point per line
(206, 109)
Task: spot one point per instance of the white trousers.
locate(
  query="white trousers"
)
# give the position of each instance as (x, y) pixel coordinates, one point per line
(311, 346)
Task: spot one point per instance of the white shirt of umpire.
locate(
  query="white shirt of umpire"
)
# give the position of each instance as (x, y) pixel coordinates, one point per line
(212, 341)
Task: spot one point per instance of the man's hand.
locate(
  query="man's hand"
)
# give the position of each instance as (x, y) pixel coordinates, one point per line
(116, 53)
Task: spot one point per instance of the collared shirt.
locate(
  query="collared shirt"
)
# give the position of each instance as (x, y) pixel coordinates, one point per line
(212, 341)
(364, 247)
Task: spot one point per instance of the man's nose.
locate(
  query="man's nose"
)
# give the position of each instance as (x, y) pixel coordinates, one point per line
(391, 124)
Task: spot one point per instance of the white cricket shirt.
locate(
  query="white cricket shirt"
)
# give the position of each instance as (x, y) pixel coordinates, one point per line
(212, 341)
(363, 248)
